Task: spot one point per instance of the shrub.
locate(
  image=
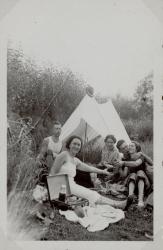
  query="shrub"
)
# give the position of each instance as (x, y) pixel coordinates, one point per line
(22, 171)
(147, 148)
(141, 130)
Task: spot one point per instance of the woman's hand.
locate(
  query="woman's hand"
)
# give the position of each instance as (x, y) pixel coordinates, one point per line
(108, 166)
(119, 164)
(104, 163)
(105, 172)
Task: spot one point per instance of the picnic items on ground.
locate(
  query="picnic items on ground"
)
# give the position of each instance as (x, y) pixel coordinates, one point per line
(62, 193)
(95, 218)
(91, 216)
(59, 187)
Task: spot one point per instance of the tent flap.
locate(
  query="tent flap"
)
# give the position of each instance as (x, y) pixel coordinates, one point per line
(91, 119)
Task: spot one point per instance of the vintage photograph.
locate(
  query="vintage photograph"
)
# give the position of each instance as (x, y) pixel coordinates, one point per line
(80, 92)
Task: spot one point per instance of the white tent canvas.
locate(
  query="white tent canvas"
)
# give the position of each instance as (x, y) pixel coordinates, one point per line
(91, 119)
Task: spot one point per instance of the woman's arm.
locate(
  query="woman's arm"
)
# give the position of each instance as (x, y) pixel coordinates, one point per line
(131, 164)
(84, 167)
(147, 159)
(59, 161)
(108, 166)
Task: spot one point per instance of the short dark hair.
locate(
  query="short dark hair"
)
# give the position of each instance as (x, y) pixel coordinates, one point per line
(112, 137)
(137, 145)
(70, 139)
(119, 143)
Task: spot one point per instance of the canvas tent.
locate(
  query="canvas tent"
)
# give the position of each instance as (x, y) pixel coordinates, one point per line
(91, 119)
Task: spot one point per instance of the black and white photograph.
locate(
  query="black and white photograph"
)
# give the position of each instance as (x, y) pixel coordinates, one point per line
(80, 119)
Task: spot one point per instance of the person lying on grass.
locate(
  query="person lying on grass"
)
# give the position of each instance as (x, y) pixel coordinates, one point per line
(67, 163)
(133, 168)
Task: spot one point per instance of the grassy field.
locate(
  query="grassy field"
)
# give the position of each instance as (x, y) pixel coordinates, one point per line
(132, 228)
(21, 171)
(28, 97)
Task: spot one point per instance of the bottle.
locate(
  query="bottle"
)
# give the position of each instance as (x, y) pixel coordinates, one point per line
(62, 193)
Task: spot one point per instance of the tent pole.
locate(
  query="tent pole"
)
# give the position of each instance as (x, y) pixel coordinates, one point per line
(85, 140)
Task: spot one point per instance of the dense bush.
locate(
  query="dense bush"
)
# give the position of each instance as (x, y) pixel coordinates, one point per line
(140, 106)
(32, 90)
(147, 148)
(140, 130)
(125, 107)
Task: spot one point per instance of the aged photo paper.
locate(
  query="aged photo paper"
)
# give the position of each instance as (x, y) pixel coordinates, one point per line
(92, 70)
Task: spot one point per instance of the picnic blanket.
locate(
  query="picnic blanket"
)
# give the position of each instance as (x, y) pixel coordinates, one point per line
(95, 218)
(116, 189)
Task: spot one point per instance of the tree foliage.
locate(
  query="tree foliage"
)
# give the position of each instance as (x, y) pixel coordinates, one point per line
(140, 106)
(125, 107)
(143, 97)
(32, 88)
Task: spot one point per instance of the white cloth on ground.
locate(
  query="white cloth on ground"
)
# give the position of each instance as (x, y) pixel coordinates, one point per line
(96, 218)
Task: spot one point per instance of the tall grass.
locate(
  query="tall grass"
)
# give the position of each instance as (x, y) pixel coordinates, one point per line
(21, 223)
(22, 172)
(92, 151)
(141, 130)
(21, 179)
(147, 148)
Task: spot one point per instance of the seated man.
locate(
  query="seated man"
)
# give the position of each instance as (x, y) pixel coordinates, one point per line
(50, 147)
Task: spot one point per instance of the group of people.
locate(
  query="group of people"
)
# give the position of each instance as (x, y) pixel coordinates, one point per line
(130, 165)
(119, 161)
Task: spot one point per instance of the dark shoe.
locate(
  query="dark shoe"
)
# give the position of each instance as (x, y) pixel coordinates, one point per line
(130, 199)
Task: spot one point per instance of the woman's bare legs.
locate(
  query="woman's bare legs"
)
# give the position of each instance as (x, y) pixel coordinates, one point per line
(123, 172)
(131, 187)
(140, 193)
(114, 203)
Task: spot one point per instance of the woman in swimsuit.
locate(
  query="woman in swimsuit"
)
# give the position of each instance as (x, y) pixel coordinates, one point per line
(67, 163)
